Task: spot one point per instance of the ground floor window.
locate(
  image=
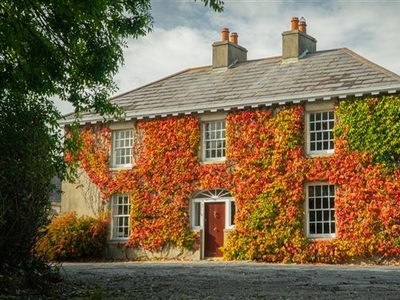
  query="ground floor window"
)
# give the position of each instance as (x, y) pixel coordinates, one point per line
(120, 210)
(321, 210)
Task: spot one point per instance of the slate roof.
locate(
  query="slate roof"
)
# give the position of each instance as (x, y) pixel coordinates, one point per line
(323, 75)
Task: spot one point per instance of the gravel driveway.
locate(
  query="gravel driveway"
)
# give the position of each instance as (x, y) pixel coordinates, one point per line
(235, 280)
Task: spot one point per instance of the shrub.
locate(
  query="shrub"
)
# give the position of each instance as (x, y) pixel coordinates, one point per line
(68, 237)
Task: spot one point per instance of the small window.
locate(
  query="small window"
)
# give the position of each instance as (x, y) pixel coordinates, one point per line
(231, 213)
(196, 214)
(320, 132)
(214, 141)
(120, 210)
(321, 211)
(122, 148)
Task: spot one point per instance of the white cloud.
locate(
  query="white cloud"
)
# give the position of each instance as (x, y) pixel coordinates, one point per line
(162, 53)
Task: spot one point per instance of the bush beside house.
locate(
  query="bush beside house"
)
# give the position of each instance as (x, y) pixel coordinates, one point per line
(69, 237)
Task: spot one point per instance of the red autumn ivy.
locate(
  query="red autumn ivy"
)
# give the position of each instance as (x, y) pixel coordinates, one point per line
(266, 170)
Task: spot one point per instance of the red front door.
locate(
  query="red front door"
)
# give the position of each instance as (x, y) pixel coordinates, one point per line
(214, 222)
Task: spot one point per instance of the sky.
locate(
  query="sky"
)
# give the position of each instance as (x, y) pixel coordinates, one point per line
(184, 31)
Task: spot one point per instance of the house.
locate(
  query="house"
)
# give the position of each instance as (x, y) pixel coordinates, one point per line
(273, 159)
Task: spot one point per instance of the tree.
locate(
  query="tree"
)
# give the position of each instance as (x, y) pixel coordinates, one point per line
(69, 49)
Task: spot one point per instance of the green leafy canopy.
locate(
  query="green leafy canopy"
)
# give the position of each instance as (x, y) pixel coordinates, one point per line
(70, 49)
(372, 125)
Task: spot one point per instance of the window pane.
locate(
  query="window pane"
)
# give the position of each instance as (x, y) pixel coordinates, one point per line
(311, 203)
(233, 212)
(319, 228)
(326, 228)
(197, 213)
(318, 203)
(319, 215)
(318, 191)
(325, 201)
(312, 136)
(311, 191)
(312, 228)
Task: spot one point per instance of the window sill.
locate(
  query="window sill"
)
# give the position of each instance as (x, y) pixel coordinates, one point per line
(121, 168)
(320, 154)
(118, 240)
(210, 162)
(322, 238)
(230, 228)
(196, 229)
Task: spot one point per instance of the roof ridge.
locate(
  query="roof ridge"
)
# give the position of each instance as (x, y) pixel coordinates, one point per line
(370, 63)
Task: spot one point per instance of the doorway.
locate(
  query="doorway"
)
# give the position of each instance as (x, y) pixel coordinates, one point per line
(212, 213)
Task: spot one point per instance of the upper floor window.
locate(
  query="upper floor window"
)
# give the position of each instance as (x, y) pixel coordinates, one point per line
(214, 140)
(320, 132)
(120, 211)
(321, 210)
(122, 148)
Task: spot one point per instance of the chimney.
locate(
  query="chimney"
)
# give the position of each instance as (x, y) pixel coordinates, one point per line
(227, 53)
(296, 43)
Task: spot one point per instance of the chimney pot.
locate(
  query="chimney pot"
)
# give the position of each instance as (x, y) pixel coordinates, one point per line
(225, 34)
(303, 25)
(234, 38)
(295, 23)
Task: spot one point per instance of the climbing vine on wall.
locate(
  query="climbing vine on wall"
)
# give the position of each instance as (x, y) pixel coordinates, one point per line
(266, 170)
(372, 126)
(268, 179)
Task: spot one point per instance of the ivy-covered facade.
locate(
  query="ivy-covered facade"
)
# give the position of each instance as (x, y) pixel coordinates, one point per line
(306, 172)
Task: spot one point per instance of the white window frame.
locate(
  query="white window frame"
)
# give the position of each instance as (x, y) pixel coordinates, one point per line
(319, 212)
(220, 139)
(322, 131)
(228, 215)
(211, 196)
(128, 145)
(120, 216)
